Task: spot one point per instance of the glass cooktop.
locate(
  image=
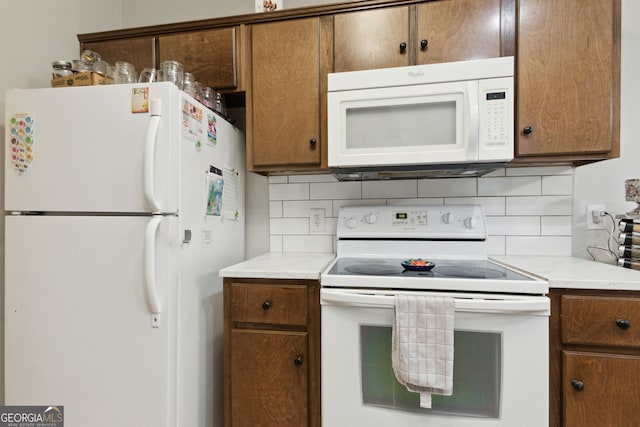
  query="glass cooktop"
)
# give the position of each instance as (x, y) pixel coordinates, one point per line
(455, 269)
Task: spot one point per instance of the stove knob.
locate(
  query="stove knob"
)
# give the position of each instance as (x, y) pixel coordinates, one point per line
(371, 218)
(351, 223)
(470, 223)
(448, 218)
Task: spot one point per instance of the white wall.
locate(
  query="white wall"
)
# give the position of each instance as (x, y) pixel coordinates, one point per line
(603, 182)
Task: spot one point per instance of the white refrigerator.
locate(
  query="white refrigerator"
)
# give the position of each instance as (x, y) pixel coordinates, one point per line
(122, 202)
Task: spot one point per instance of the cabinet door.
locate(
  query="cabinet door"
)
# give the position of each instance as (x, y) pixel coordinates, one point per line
(210, 55)
(566, 99)
(139, 51)
(284, 114)
(372, 39)
(458, 30)
(601, 390)
(269, 371)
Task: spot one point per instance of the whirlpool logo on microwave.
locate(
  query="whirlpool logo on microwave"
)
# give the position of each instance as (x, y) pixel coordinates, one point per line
(31, 416)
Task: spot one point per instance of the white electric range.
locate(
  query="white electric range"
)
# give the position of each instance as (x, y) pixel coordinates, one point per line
(501, 320)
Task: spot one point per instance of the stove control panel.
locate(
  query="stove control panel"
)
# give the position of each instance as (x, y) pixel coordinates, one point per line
(412, 221)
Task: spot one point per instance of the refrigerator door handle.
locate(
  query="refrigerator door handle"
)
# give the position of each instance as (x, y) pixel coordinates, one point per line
(150, 154)
(150, 267)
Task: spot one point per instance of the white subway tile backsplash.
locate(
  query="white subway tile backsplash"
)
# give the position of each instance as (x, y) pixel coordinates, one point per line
(513, 225)
(337, 204)
(275, 243)
(289, 226)
(491, 205)
(447, 187)
(538, 245)
(314, 243)
(395, 189)
(541, 205)
(278, 179)
(336, 190)
(431, 201)
(275, 209)
(510, 186)
(288, 191)
(291, 208)
(557, 185)
(556, 225)
(528, 208)
(313, 178)
(496, 245)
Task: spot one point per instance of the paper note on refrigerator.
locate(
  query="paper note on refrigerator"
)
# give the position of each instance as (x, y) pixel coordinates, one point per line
(231, 179)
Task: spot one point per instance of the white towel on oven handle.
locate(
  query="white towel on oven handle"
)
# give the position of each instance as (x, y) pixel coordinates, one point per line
(422, 340)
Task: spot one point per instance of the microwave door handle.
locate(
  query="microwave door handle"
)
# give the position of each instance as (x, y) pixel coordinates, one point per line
(531, 305)
(474, 120)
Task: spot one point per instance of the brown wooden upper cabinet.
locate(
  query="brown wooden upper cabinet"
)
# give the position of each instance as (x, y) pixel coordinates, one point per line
(568, 74)
(286, 94)
(430, 32)
(139, 51)
(211, 55)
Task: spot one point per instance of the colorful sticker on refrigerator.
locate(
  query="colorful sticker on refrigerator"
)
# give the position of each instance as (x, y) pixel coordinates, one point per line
(192, 127)
(21, 141)
(212, 132)
(140, 100)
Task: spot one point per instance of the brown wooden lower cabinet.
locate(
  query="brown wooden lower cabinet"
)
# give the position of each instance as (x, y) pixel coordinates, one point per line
(594, 358)
(271, 352)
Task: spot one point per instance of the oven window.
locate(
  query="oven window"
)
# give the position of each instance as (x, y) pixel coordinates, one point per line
(476, 375)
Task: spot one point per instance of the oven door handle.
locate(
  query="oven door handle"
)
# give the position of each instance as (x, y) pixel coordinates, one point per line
(527, 304)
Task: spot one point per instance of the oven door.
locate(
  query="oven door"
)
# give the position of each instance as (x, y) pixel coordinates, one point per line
(500, 363)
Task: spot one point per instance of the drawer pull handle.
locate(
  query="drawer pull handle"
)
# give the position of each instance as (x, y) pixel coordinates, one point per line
(266, 305)
(403, 47)
(623, 324)
(577, 385)
(298, 361)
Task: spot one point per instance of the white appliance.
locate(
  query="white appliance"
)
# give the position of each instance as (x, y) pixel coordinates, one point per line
(122, 202)
(449, 119)
(501, 332)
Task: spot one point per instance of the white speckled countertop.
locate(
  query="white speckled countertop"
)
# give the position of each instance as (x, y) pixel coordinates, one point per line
(281, 265)
(575, 273)
(560, 272)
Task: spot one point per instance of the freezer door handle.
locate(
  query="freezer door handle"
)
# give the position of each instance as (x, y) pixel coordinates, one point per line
(150, 155)
(150, 265)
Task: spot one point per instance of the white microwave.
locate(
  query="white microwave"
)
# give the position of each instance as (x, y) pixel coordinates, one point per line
(449, 119)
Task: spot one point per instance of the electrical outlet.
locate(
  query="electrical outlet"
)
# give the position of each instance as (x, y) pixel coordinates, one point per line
(316, 221)
(595, 220)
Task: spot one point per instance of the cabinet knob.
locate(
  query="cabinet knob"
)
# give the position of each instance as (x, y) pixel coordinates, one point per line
(424, 43)
(298, 361)
(266, 305)
(577, 385)
(623, 324)
(527, 130)
(313, 142)
(403, 47)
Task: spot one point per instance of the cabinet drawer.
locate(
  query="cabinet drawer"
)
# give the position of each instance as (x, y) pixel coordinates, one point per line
(274, 304)
(601, 320)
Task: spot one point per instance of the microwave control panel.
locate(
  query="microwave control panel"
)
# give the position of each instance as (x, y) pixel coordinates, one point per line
(496, 118)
